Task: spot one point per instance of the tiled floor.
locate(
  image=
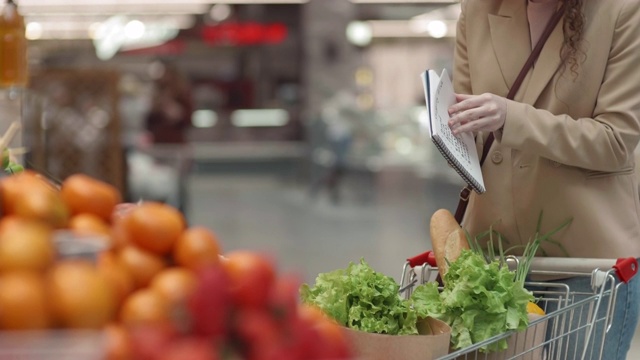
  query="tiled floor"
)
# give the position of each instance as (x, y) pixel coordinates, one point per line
(309, 236)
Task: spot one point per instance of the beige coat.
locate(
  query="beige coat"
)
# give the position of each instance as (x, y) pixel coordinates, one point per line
(568, 142)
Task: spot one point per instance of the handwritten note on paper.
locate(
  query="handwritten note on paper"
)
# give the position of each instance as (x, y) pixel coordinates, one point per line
(459, 150)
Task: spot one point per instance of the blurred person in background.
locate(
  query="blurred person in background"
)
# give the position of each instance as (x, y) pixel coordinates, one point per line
(158, 167)
(565, 144)
(171, 107)
(337, 116)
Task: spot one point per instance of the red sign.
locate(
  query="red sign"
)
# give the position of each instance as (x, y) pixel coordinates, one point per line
(249, 33)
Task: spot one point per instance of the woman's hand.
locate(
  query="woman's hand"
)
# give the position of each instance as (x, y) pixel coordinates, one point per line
(473, 113)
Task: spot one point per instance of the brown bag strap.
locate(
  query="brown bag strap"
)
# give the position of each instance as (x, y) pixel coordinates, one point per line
(466, 191)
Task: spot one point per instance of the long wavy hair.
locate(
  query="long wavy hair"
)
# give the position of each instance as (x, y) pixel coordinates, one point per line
(573, 26)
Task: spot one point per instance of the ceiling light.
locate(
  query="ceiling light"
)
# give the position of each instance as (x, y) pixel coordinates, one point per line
(359, 33)
(220, 12)
(259, 117)
(408, 29)
(134, 29)
(204, 118)
(437, 29)
(34, 31)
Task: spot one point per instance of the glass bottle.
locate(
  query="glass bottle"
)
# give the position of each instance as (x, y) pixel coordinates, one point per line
(13, 48)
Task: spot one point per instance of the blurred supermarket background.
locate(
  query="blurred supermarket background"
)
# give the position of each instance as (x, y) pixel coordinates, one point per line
(289, 126)
(292, 127)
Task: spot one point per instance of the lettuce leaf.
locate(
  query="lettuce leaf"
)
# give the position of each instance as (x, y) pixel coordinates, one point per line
(360, 298)
(479, 300)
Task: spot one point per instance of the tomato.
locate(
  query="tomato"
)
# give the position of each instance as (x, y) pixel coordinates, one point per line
(149, 342)
(332, 341)
(117, 342)
(210, 304)
(259, 333)
(284, 297)
(252, 276)
(191, 348)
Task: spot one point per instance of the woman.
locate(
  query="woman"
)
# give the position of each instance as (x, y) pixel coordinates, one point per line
(565, 144)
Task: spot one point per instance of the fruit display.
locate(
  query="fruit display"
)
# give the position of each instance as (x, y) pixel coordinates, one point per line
(150, 284)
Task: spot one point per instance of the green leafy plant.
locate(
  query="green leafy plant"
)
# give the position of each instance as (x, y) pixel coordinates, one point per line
(362, 299)
(482, 297)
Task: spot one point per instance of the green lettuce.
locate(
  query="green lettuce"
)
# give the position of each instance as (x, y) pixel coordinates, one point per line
(360, 298)
(479, 300)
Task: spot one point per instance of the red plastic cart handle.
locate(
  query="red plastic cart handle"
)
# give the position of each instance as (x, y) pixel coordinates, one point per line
(626, 268)
(424, 258)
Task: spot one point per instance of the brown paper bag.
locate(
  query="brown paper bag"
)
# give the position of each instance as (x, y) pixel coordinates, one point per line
(431, 344)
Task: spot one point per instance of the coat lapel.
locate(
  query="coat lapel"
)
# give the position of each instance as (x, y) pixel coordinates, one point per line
(510, 38)
(546, 65)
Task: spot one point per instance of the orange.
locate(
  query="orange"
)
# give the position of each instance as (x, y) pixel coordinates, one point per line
(41, 203)
(84, 194)
(25, 245)
(28, 196)
(14, 186)
(155, 226)
(80, 296)
(175, 284)
(23, 301)
(145, 307)
(197, 247)
(90, 224)
(141, 264)
(118, 344)
(116, 274)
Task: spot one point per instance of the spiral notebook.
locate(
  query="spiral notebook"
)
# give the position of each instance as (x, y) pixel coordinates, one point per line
(459, 151)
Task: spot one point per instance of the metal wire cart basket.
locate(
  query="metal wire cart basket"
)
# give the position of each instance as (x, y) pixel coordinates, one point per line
(575, 323)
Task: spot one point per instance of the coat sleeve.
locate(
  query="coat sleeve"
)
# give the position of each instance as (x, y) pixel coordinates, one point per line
(604, 141)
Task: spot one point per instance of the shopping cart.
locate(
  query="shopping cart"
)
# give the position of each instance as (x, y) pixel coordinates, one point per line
(575, 324)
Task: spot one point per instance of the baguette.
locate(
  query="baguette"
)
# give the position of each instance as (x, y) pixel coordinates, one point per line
(448, 239)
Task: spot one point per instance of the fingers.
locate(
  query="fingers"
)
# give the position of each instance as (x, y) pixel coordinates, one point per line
(471, 126)
(474, 113)
(465, 114)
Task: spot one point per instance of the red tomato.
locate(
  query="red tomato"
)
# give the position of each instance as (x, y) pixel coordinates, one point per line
(284, 297)
(210, 304)
(259, 332)
(150, 342)
(252, 276)
(191, 348)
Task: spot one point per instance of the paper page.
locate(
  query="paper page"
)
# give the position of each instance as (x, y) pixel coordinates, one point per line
(462, 147)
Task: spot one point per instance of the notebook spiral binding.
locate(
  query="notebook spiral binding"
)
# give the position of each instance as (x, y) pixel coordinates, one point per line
(455, 164)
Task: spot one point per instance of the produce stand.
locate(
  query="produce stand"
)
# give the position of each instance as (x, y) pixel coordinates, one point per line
(570, 315)
(53, 345)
